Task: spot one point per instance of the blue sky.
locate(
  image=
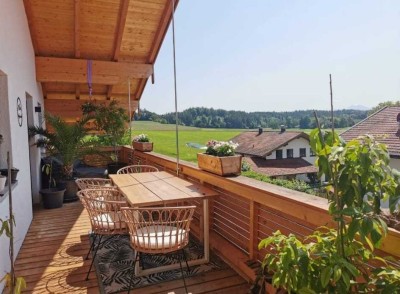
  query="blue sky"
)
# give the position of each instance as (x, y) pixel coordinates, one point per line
(276, 55)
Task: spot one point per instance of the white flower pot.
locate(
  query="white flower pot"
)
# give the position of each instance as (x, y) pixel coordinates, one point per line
(3, 180)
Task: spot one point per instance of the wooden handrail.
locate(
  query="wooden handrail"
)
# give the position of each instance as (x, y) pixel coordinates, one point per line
(267, 207)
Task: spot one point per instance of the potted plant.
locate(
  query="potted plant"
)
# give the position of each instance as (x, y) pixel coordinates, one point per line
(341, 260)
(220, 158)
(13, 176)
(142, 143)
(52, 196)
(66, 142)
(3, 180)
(113, 121)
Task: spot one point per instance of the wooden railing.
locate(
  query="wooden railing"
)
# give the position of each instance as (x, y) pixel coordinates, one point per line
(248, 210)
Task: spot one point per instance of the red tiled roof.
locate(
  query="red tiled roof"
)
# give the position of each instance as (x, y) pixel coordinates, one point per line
(382, 125)
(281, 167)
(253, 143)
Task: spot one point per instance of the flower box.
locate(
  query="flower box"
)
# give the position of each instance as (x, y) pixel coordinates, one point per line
(143, 146)
(223, 166)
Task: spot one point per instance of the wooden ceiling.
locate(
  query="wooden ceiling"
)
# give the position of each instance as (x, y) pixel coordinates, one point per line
(121, 38)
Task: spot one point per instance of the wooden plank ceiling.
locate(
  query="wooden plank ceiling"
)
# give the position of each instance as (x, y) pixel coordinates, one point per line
(121, 37)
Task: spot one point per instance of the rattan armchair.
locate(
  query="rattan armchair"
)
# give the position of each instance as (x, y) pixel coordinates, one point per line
(106, 219)
(131, 169)
(159, 230)
(88, 183)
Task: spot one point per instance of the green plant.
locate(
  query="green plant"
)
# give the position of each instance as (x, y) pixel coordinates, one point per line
(220, 148)
(338, 260)
(64, 140)
(141, 138)
(48, 170)
(113, 121)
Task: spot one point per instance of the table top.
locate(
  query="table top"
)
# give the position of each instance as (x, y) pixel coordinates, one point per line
(158, 188)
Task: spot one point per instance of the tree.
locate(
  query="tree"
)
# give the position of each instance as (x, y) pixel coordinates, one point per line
(382, 105)
(304, 122)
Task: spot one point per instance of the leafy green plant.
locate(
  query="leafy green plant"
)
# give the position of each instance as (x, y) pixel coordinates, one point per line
(339, 260)
(64, 140)
(113, 120)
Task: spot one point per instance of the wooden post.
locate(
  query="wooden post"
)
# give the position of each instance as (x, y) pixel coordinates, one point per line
(253, 229)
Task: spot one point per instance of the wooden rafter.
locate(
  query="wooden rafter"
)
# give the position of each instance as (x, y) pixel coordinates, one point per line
(67, 70)
(155, 48)
(123, 12)
(77, 40)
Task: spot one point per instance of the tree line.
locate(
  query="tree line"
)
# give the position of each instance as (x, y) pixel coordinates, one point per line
(218, 118)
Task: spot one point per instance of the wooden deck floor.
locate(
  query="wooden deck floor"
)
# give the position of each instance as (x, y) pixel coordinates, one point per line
(52, 259)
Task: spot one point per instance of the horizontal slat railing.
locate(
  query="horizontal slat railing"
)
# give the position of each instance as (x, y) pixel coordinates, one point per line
(248, 210)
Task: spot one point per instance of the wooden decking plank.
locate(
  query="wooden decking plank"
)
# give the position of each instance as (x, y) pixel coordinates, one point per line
(52, 259)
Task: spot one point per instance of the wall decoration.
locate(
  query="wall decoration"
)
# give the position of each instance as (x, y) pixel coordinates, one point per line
(19, 112)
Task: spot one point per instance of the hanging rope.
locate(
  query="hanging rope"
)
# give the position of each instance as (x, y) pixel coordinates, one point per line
(89, 78)
(130, 115)
(176, 92)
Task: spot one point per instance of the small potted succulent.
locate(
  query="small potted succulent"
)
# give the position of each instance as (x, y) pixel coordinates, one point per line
(142, 143)
(220, 158)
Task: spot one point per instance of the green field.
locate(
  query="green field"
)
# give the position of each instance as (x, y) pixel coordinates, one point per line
(164, 139)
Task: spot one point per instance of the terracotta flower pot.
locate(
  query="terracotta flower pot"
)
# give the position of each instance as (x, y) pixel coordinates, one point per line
(223, 166)
(143, 146)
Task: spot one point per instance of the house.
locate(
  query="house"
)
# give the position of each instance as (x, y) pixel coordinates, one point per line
(279, 154)
(384, 125)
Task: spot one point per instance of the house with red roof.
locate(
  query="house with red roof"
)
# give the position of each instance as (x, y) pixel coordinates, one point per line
(278, 154)
(384, 125)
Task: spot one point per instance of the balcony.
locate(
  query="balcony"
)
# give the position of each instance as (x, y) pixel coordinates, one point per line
(245, 211)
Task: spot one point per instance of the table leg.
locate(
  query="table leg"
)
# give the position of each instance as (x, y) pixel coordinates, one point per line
(206, 219)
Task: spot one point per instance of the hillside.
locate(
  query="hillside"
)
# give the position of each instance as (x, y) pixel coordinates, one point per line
(218, 118)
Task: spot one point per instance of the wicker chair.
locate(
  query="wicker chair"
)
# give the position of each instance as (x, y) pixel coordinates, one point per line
(131, 169)
(88, 183)
(159, 230)
(104, 209)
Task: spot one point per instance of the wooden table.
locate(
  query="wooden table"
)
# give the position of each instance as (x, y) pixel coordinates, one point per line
(159, 189)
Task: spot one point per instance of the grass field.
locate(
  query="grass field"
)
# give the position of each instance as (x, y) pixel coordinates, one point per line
(164, 139)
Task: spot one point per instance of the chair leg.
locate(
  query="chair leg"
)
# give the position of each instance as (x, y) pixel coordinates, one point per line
(185, 258)
(133, 271)
(183, 276)
(91, 246)
(95, 253)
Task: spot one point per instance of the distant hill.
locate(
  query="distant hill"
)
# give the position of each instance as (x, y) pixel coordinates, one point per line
(202, 117)
(359, 107)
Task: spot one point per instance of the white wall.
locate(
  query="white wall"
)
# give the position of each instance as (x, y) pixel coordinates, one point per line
(296, 144)
(18, 63)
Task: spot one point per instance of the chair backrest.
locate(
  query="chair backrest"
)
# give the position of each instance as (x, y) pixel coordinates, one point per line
(85, 183)
(159, 229)
(131, 169)
(104, 209)
(103, 194)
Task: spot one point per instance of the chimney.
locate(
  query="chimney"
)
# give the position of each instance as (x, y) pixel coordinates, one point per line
(260, 130)
(283, 128)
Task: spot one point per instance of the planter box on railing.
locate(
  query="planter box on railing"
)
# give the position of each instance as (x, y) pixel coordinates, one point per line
(223, 166)
(143, 146)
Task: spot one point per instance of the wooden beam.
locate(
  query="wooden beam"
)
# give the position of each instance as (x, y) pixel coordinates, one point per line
(67, 70)
(31, 24)
(140, 89)
(71, 108)
(161, 31)
(123, 12)
(77, 28)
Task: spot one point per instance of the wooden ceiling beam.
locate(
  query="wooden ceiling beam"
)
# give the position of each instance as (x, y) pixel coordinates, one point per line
(68, 70)
(123, 13)
(158, 40)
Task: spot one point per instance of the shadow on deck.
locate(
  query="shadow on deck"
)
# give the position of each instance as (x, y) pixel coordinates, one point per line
(52, 259)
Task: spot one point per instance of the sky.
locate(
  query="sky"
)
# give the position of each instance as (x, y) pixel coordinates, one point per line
(276, 55)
